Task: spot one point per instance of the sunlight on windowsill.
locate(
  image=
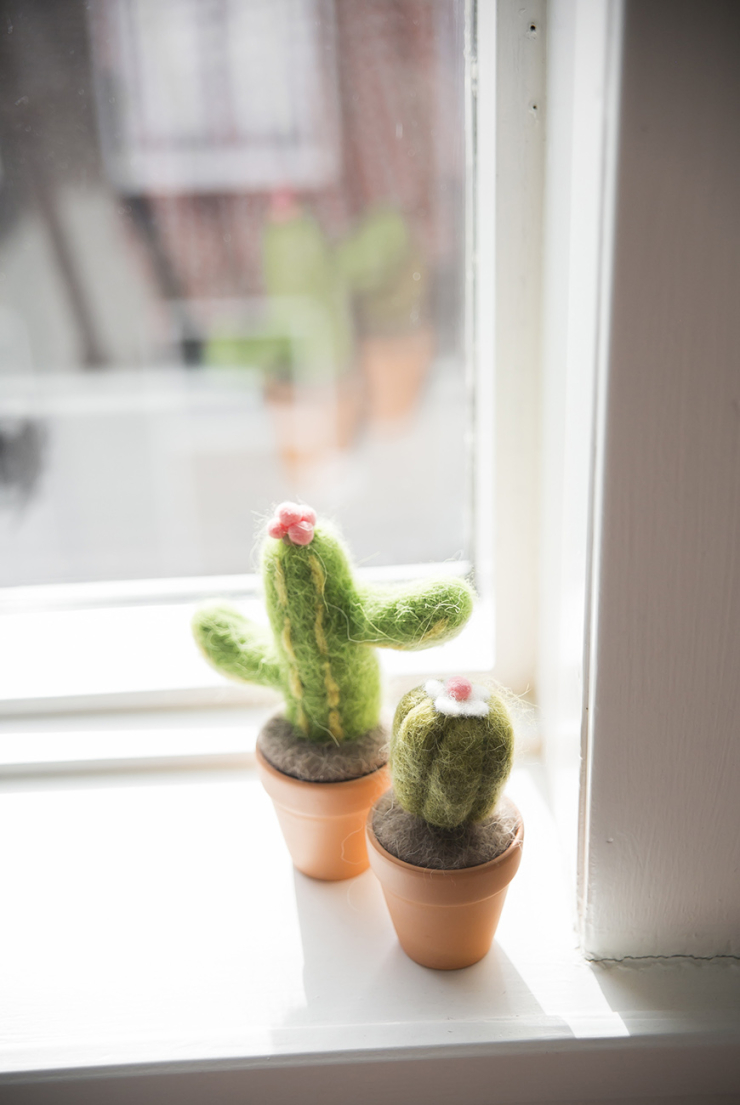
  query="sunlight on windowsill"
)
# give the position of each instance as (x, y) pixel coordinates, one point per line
(181, 929)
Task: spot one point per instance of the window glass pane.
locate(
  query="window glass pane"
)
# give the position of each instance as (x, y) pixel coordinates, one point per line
(232, 256)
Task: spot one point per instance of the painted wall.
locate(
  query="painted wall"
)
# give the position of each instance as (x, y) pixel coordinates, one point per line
(661, 847)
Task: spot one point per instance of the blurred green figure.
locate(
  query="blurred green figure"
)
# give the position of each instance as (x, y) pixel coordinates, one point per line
(316, 294)
(309, 297)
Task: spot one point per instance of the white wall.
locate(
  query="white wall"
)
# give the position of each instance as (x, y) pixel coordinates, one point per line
(661, 846)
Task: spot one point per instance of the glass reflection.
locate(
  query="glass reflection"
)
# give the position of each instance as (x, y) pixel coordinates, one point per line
(231, 272)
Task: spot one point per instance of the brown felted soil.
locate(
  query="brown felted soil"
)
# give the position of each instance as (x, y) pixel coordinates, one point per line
(322, 763)
(412, 840)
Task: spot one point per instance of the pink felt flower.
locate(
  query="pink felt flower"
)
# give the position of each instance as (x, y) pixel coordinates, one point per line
(458, 697)
(293, 524)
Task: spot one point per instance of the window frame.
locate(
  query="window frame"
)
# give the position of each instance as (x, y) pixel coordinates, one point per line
(704, 1062)
(661, 759)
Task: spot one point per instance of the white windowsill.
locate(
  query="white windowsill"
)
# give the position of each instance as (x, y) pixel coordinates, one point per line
(153, 921)
(129, 645)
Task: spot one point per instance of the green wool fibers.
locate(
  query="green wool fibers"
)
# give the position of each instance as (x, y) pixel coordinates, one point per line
(319, 653)
(449, 771)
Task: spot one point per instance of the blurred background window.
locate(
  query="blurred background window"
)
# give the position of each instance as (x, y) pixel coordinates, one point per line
(232, 262)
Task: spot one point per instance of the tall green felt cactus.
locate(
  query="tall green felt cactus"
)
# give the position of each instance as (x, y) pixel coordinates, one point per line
(451, 752)
(324, 624)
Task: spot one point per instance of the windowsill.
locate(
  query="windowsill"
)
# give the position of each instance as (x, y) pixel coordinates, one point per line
(153, 920)
(67, 649)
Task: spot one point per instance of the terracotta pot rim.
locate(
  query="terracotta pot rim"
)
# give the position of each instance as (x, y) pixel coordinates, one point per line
(348, 784)
(459, 874)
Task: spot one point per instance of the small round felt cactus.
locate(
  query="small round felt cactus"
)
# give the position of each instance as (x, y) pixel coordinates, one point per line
(451, 752)
(324, 624)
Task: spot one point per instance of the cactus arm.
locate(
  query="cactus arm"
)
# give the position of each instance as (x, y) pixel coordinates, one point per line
(319, 654)
(237, 647)
(414, 617)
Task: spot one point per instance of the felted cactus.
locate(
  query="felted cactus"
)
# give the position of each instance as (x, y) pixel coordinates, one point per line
(451, 752)
(320, 653)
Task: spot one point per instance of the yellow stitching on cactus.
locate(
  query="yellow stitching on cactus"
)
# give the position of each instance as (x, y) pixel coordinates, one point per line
(332, 690)
(319, 632)
(287, 643)
(294, 681)
(280, 585)
(437, 629)
(295, 684)
(318, 574)
(335, 725)
(302, 719)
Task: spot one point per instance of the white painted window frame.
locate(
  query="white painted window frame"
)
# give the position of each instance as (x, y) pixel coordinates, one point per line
(659, 840)
(567, 1068)
(642, 279)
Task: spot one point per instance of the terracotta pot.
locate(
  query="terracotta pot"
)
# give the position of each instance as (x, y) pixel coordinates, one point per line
(445, 919)
(395, 369)
(324, 823)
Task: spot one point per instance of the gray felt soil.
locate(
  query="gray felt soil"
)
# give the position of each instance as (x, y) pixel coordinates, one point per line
(321, 763)
(414, 841)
